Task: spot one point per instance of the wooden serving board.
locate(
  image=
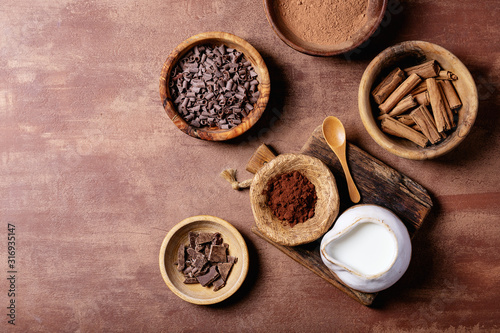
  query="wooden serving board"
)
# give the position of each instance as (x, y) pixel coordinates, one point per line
(378, 184)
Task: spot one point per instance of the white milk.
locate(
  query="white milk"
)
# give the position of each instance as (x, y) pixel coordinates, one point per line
(368, 248)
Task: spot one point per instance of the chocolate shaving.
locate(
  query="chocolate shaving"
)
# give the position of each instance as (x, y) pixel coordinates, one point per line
(213, 76)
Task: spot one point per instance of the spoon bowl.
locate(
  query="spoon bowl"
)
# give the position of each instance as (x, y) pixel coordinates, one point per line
(334, 134)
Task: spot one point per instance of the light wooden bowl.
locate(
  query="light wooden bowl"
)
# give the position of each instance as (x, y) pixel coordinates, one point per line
(375, 13)
(216, 37)
(411, 53)
(178, 236)
(327, 205)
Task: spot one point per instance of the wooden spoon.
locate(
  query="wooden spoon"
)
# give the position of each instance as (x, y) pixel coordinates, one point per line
(334, 134)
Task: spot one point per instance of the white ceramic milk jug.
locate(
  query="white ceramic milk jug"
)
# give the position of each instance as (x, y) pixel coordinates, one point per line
(368, 248)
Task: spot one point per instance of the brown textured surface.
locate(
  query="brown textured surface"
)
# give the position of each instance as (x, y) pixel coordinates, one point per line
(94, 173)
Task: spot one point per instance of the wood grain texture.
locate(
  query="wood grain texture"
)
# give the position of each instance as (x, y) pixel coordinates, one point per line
(94, 173)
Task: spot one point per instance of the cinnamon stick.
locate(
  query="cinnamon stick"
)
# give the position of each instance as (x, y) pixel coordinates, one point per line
(401, 91)
(446, 75)
(426, 70)
(405, 104)
(421, 87)
(449, 113)
(437, 104)
(406, 119)
(387, 86)
(394, 127)
(425, 122)
(451, 94)
(422, 98)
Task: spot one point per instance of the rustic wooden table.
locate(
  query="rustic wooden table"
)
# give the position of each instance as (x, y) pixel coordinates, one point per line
(94, 173)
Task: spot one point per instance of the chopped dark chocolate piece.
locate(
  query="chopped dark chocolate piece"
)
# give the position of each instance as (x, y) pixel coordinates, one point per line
(219, 283)
(224, 269)
(190, 280)
(206, 251)
(191, 254)
(217, 239)
(192, 239)
(204, 237)
(208, 278)
(232, 260)
(181, 258)
(217, 253)
(211, 265)
(199, 261)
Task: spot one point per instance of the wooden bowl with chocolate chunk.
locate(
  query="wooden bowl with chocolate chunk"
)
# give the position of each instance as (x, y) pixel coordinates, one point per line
(294, 199)
(417, 100)
(214, 86)
(203, 259)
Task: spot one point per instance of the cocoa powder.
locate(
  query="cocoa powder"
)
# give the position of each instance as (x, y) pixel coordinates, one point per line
(324, 22)
(291, 197)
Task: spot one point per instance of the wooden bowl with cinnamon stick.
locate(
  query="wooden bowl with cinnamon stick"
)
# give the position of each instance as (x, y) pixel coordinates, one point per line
(417, 100)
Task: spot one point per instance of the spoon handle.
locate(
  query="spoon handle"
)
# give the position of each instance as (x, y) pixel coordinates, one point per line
(353, 190)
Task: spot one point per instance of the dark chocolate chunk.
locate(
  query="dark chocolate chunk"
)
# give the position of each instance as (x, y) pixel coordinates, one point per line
(232, 260)
(192, 239)
(191, 254)
(208, 278)
(217, 239)
(217, 253)
(224, 269)
(190, 280)
(181, 258)
(219, 283)
(204, 237)
(199, 261)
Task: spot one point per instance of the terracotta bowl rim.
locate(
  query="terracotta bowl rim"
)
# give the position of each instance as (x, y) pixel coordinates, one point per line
(323, 51)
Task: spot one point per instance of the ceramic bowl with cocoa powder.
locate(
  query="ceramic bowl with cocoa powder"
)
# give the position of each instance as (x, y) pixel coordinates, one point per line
(326, 207)
(324, 28)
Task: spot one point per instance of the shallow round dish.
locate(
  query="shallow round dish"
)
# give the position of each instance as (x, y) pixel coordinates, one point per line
(375, 12)
(327, 204)
(178, 236)
(408, 54)
(230, 40)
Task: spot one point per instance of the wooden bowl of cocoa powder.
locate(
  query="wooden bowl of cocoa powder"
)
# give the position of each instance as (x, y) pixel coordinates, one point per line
(326, 207)
(324, 28)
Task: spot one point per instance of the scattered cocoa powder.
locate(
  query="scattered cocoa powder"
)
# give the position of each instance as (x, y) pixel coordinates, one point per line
(324, 22)
(291, 197)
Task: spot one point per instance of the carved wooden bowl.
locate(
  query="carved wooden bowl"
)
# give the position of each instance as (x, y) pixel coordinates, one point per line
(214, 133)
(327, 205)
(178, 236)
(375, 12)
(411, 53)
